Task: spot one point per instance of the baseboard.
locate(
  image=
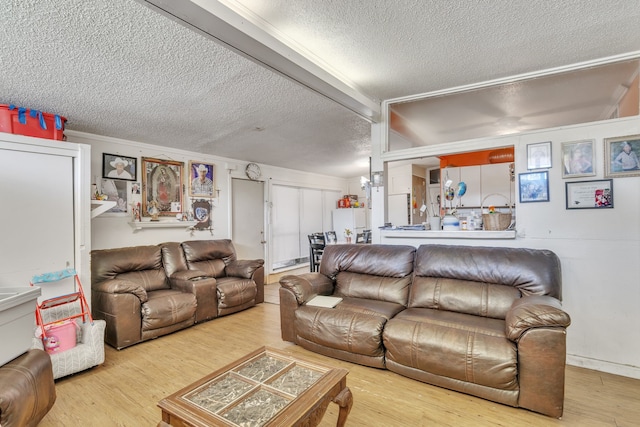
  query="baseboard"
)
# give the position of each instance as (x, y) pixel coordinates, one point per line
(604, 366)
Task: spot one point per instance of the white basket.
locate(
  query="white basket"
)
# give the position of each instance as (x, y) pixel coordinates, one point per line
(497, 221)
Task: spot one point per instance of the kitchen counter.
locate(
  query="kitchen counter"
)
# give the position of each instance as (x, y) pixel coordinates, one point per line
(395, 234)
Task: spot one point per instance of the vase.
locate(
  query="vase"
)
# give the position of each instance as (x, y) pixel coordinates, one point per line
(348, 239)
(450, 223)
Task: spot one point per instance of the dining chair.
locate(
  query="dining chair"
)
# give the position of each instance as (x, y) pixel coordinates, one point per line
(316, 248)
(331, 237)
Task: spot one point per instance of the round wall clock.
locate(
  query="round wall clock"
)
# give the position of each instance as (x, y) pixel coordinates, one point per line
(253, 171)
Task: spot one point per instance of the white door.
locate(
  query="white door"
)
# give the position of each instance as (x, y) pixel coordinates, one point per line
(248, 218)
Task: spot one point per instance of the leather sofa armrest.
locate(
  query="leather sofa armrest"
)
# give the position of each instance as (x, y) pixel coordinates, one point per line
(117, 286)
(535, 311)
(307, 286)
(243, 268)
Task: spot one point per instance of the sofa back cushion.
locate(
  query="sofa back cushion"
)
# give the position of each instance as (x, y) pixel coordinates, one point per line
(462, 296)
(209, 256)
(138, 264)
(377, 272)
(482, 280)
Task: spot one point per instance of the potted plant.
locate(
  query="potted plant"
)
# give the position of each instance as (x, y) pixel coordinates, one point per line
(347, 234)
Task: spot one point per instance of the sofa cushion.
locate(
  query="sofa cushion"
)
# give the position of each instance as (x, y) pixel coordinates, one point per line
(166, 308)
(380, 272)
(351, 331)
(463, 296)
(358, 285)
(233, 292)
(209, 256)
(138, 264)
(531, 271)
(454, 345)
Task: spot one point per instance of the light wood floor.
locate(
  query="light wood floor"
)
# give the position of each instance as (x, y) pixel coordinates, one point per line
(124, 390)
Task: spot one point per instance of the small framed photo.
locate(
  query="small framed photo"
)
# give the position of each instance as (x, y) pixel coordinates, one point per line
(534, 187)
(200, 179)
(622, 156)
(578, 158)
(119, 167)
(539, 155)
(590, 194)
(202, 214)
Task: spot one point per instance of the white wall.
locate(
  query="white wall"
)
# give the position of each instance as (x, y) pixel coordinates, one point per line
(112, 230)
(599, 250)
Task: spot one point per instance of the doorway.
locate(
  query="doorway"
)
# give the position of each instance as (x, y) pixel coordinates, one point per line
(247, 218)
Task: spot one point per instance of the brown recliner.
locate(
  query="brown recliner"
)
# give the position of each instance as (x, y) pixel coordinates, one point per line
(27, 390)
(131, 292)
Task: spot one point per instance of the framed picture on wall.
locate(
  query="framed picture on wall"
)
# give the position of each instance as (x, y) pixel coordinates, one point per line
(534, 187)
(578, 158)
(589, 194)
(162, 182)
(115, 166)
(116, 191)
(200, 179)
(539, 155)
(202, 214)
(622, 156)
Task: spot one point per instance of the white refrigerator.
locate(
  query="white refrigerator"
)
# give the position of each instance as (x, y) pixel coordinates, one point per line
(355, 219)
(398, 209)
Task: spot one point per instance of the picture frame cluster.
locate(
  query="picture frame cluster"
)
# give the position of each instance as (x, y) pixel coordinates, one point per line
(621, 158)
(160, 192)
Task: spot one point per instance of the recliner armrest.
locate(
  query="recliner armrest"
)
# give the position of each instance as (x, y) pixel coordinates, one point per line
(243, 268)
(307, 286)
(118, 286)
(534, 311)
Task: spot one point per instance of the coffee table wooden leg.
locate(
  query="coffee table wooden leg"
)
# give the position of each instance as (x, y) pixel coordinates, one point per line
(344, 399)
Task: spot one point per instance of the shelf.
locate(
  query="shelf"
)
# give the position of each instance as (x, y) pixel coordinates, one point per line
(139, 225)
(102, 207)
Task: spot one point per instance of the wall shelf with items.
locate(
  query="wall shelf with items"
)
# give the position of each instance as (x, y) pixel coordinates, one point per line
(139, 225)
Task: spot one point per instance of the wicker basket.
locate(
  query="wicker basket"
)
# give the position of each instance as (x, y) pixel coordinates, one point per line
(496, 221)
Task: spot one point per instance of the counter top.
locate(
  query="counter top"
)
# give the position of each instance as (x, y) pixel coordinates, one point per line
(462, 234)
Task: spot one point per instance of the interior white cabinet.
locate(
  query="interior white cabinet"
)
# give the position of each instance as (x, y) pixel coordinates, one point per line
(46, 219)
(470, 175)
(496, 181)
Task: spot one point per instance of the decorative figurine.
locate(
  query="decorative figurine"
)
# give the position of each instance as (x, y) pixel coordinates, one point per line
(153, 210)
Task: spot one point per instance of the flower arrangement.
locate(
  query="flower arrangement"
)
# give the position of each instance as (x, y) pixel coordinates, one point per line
(347, 232)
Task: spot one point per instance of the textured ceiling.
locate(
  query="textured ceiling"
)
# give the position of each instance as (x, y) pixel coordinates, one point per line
(120, 69)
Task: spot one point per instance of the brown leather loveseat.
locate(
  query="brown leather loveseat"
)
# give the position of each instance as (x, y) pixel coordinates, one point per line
(479, 320)
(144, 292)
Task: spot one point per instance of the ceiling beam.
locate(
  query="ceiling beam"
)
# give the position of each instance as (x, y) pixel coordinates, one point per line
(263, 45)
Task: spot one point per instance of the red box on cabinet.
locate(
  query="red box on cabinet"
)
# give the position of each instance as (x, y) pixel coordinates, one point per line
(24, 121)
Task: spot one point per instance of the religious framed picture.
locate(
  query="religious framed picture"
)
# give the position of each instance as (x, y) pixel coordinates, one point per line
(200, 179)
(589, 194)
(534, 187)
(622, 156)
(578, 158)
(115, 166)
(539, 155)
(202, 214)
(162, 184)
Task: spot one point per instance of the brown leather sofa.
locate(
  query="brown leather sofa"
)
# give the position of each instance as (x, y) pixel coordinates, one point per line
(144, 292)
(27, 390)
(479, 320)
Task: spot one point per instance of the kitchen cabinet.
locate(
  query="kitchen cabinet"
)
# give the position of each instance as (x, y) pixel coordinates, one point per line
(469, 175)
(496, 181)
(400, 179)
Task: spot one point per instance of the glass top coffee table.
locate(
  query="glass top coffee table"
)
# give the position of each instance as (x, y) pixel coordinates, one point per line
(265, 388)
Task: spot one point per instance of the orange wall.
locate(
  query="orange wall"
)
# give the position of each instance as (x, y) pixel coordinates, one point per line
(501, 155)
